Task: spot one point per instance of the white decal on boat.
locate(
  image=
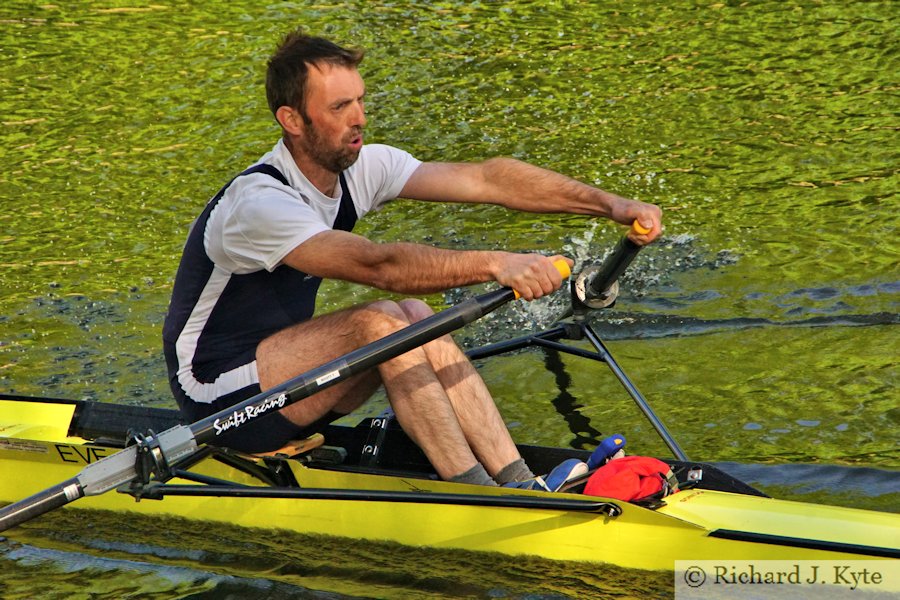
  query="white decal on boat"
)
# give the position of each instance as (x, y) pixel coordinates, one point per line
(22, 446)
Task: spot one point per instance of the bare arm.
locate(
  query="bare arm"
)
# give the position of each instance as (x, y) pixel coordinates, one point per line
(520, 186)
(418, 269)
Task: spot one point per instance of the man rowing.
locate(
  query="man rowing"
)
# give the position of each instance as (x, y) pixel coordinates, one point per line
(241, 315)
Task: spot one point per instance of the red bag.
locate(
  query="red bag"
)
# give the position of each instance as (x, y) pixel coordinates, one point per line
(631, 478)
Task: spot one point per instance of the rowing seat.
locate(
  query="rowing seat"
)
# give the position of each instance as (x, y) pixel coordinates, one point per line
(294, 447)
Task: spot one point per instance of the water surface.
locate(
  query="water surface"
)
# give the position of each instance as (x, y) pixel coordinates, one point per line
(762, 327)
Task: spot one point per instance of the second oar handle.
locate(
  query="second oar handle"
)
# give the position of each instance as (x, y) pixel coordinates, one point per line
(614, 265)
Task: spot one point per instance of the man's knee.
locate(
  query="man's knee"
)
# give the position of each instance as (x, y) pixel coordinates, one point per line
(380, 318)
(415, 310)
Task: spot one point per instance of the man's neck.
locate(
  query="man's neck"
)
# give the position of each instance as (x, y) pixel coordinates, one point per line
(322, 179)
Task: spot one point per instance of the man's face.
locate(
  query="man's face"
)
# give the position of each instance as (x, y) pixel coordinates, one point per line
(335, 109)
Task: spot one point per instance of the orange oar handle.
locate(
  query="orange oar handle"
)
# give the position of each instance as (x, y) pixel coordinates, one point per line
(561, 266)
(638, 228)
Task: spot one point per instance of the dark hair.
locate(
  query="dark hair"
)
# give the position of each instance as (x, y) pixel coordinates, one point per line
(287, 70)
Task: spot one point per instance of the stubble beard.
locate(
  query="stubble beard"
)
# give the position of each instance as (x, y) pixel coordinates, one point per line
(335, 160)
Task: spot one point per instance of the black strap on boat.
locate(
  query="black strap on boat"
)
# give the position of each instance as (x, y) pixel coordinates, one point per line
(610, 509)
(793, 542)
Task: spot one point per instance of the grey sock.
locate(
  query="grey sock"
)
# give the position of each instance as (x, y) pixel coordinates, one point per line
(517, 470)
(476, 475)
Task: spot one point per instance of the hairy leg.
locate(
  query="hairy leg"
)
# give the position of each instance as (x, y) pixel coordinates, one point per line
(473, 405)
(306, 346)
(416, 393)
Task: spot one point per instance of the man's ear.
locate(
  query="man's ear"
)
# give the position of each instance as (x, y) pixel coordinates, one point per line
(289, 119)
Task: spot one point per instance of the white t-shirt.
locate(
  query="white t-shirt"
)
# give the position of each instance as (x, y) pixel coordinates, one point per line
(259, 221)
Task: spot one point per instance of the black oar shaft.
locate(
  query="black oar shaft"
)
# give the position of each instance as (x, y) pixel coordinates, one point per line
(40, 503)
(614, 265)
(98, 478)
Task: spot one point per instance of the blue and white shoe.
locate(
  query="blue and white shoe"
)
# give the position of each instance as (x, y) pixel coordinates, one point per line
(607, 449)
(553, 481)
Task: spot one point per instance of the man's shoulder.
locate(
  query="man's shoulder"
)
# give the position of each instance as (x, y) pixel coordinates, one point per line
(382, 159)
(373, 153)
(369, 148)
(379, 175)
(262, 189)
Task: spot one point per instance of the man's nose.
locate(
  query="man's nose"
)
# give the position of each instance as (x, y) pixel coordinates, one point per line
(359, 115)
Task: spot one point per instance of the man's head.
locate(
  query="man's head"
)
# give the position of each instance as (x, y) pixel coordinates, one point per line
(288, 69)
(317, 95)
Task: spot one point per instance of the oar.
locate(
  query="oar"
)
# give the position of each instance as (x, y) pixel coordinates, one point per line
(160, 451)
(599, 283)
(596, 287)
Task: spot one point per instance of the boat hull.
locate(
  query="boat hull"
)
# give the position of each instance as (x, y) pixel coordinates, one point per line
(36, 452)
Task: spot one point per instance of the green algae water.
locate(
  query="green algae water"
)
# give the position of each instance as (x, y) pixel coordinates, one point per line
(762, 327)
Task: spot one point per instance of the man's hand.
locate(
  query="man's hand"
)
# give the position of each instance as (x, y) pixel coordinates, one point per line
(532, 275)
(649, 216)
